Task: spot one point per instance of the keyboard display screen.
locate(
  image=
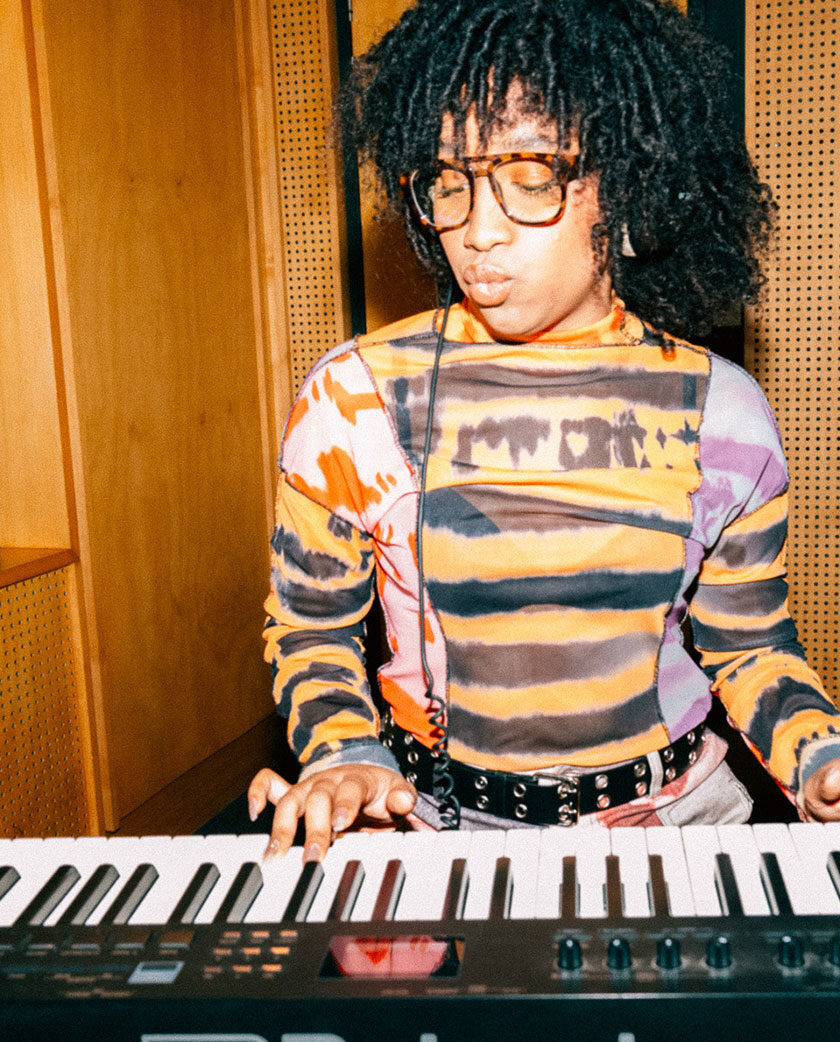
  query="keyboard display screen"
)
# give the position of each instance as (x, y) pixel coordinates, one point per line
(394, 958)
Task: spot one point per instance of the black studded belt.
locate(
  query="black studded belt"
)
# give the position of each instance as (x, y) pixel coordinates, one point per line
(542, 799)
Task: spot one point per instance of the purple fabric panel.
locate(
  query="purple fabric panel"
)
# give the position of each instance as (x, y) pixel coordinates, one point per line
(741, 456)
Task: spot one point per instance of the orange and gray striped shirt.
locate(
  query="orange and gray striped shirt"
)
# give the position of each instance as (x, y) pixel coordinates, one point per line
(586, 493)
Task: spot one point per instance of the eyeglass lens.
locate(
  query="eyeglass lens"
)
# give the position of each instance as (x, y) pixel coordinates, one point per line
(528, 189)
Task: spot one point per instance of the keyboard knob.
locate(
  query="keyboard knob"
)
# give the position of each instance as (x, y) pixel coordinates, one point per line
(790, 952)
(719, 953)
(668, 954)
(618, 954)
(569, 956)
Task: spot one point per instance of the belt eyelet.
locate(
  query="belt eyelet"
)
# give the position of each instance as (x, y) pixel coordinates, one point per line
(481, 782)
(640, 769)
(601, 781)
(482, 801)
(691, 738)
(641, 789)
(670, 774)
(520, 810)
(413, 756)
(408, 738)
(692, 756)
(668, 754)
(411, 777)
(519, 790)
(603, 801)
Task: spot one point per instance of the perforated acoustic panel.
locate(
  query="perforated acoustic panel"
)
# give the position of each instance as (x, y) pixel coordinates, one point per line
(309, 195)
(794, 347)
(42, 785)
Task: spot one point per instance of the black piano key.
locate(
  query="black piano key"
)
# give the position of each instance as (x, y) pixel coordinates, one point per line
(89, 897)
(569, 890)
(49, 896)
(502, 892)
(348, 890)
(774, 885)
(243, 892)
(727, 887)
(614, 896)
(304, 892)
(197, 892)
(833, 866)
(657, 887)
(389, 891)
(456, 890)
(124, 905)
(8, 877)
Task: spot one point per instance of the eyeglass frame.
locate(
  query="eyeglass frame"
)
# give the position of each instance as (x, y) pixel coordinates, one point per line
(483, 166)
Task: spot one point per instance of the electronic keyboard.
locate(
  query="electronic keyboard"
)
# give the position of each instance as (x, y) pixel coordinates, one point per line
(580, 933)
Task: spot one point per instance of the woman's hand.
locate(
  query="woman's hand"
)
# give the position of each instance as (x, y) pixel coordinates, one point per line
(329, 802)
(821, 794)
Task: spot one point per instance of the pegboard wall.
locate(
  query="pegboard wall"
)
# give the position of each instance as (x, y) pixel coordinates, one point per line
(793, 346)
(42, 776)
(308, 178)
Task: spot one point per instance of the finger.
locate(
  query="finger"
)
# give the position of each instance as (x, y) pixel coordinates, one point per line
(266, 785)
(284, 825)
(318, 812)
(400, 799)
(830, 784)
(347, 803)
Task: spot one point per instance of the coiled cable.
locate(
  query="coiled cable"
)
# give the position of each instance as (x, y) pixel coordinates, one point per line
(442, 783)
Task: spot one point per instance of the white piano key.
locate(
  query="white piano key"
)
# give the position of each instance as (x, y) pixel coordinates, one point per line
(350, 846)
(591, 847)
(549, 874)
(737, 841)
(522, 846)
(701, 844)
(427, 858)
(629, 846)
(667, 843)
(228, 854)
(775, 838)
(814, 842)
(382, 848)
(35, 860)
(486, 846)
(177, 859)
(280, 874)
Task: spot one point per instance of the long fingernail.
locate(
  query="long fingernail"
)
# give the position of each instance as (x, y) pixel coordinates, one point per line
(339, 822)
(312, 852)
(253, 809)
(272, 850)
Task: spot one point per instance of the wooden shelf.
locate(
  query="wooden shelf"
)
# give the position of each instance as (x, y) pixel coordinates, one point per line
(19, 563)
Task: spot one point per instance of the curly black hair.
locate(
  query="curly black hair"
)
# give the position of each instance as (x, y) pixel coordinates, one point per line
(642, 91)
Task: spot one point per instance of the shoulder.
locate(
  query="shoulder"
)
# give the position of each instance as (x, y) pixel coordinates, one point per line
(737, 408)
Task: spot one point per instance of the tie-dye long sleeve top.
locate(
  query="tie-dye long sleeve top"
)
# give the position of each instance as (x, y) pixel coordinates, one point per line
(585, 493)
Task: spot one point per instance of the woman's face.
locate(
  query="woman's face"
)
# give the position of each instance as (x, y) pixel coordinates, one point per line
(524, 280)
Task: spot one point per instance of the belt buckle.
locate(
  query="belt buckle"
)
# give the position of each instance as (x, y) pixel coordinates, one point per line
(568, 792)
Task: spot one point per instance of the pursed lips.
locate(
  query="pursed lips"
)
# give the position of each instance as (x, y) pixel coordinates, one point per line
(488, 284)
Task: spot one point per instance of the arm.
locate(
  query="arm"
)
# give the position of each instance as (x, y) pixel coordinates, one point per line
(742, 627)
(322, 573)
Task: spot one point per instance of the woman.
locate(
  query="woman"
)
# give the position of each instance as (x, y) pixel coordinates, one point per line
(548, 480)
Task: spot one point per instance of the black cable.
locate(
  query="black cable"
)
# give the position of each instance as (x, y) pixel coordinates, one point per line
(442, 784)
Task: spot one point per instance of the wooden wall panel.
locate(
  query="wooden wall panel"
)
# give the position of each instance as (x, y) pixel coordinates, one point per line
(793, 344)
(44, 747)
(33, 507)
(149, 169)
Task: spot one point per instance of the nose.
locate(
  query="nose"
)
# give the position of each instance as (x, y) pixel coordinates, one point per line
(487, 225)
